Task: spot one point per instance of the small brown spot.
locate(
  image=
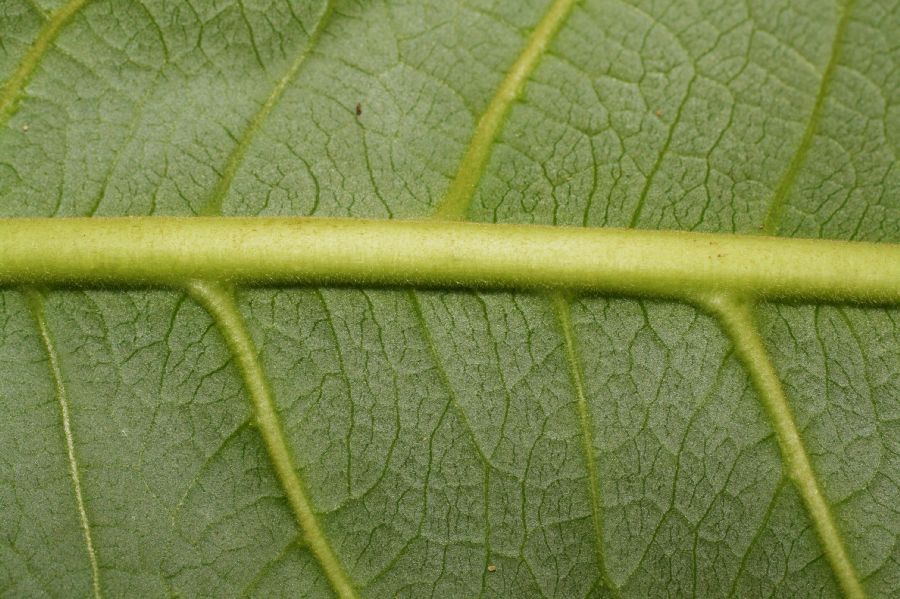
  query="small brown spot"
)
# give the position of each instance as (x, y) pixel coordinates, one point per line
(721, 255)
(492, 568)
(659, 112)
(25, 127)
(358, 109)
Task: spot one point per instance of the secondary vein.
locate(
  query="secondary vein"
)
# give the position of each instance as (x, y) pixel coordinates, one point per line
(563, 314)
(36, 306)
(219, 302)
(736, 319)
(456, 201)
(779, 199)
(13, 87)
(467, 425)
(455, 204)
(10, 92)
(213, 204)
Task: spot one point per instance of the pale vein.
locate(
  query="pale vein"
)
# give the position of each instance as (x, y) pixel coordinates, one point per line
(456, 201)
(563, 313)
(454, 401)
(9, 95)
(219, 302)
(736, 319)
(213, 204)
(776, 205)
(12, 89)
(36, 306)
(455, 204)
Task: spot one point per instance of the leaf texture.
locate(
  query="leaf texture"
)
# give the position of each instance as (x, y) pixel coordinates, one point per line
(450, 444)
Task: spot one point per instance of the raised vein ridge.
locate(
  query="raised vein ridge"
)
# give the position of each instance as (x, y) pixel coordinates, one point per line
(563, 314)
(455, 204)
(219, 302)
(36, 306)
(777, 203)
(736, 319)
(651, 175)
(464, 419)
(167, 251)
(213, 204)
(9, 93)
(38, 9)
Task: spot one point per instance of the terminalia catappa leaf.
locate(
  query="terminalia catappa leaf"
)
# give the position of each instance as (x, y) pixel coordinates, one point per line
(711, 413)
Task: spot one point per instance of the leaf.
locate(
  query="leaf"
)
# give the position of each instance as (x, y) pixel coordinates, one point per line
(450, 443)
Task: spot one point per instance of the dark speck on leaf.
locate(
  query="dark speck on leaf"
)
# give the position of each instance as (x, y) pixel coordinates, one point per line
(358, 109)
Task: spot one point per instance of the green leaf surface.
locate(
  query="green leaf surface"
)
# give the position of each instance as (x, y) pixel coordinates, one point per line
(425, 443)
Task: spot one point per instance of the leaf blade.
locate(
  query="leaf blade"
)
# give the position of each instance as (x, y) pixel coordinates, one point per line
(419, 99)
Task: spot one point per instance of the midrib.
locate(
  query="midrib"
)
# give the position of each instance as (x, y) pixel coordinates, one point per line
(9, 96)
(219, 302)
(455, 206)
(735, 318)
(744, 335)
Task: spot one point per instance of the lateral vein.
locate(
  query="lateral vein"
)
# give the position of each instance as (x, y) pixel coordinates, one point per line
(779, 199)
(455, 204)
(219, 302)
(36, 306)
(467, 425)
(564, 316)
(736, 318)
(213, 204)
(13, 87)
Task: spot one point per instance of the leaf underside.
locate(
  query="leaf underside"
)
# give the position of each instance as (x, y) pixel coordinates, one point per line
(448, 443)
